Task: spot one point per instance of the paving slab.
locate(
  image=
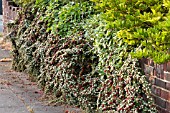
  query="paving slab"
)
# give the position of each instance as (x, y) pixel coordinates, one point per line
(9, 102)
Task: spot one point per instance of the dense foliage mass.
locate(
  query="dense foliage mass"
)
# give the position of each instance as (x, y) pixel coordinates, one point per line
(143, 24)
(22, 3)
(69, 49)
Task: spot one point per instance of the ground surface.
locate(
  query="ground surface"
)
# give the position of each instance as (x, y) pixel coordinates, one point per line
(18, 94)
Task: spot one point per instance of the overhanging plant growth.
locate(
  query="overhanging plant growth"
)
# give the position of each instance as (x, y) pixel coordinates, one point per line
(143, 24)
(69, 49)
(22, 2)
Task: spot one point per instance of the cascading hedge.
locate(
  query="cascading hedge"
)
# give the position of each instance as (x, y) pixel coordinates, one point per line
(69, 49)
(124, 87)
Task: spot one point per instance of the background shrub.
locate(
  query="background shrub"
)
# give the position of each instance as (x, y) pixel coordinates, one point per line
(142, 24)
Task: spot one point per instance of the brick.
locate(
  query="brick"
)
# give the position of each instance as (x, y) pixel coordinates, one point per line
(164, 111)
(159, 70)
(168, 106)
(165, 67)
(154, 97)
(152, 81)
(144, 61)
(155, 90)
(162, 76)
(158, 92)
(165, 95)
(168, 86)
(167, 76)
(168, 67)
(147, 78)
(151, 63)
(160, 102)
(154, 72)
(160, 83)
(148, 69)
(156, 65)
(159, 109)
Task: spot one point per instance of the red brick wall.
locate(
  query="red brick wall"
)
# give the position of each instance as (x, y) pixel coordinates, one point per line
(10, 11)
(159, 76)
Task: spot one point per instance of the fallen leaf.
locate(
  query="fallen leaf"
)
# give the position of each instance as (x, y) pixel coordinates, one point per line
(30, 109)
(6, 60)
(9, 83)
(6, 45)
(66, 111)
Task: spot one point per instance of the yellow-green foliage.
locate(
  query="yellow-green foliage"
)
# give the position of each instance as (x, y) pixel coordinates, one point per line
(143, 24)
(22, 2)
